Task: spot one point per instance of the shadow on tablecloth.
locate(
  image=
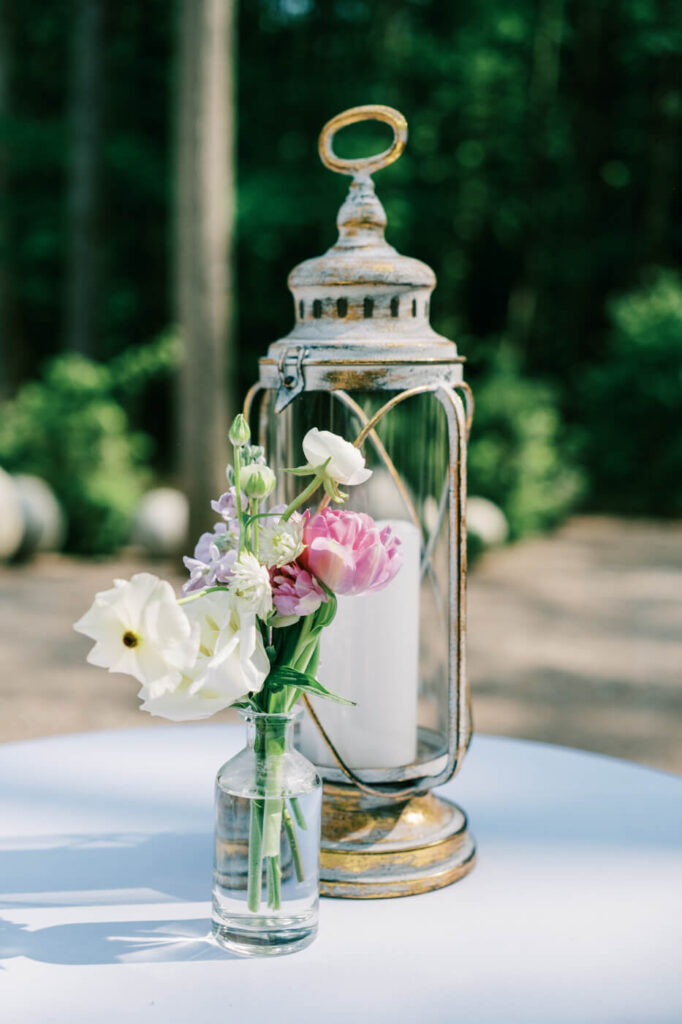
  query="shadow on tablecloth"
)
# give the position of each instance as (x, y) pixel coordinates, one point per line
(157, 879)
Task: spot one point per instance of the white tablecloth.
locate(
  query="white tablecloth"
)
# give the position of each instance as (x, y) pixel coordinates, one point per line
(573, 913)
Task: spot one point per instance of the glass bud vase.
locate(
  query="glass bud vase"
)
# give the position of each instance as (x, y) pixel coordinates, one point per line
(267, 842)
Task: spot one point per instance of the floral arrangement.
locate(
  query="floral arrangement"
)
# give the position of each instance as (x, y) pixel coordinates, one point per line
(246, 631)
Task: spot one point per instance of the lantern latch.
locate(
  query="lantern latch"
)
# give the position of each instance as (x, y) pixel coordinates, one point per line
(291, 380)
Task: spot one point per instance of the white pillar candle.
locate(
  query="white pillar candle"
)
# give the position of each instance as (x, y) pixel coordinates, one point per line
(370, 654)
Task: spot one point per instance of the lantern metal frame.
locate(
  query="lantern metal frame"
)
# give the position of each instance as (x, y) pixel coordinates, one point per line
(384, 832)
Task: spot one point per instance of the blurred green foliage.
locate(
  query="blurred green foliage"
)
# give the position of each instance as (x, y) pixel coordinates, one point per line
(540, 178)
(71, 428)
(540, 175)
(519, 456)
(633, 402)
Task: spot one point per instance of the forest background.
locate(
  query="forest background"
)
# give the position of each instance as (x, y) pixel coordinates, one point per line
(159, 179)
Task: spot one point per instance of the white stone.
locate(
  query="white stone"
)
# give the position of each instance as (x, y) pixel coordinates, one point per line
(11, 518)
(486, 521)
(161, 521)
(44, 522)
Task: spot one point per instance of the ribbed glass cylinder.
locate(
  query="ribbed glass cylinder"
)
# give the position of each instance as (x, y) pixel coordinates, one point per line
(389, 651)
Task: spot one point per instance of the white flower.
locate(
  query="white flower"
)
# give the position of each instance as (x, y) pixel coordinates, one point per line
(281, 542)
(181, 705)
(344, 462)
(139, 629)
(257, 481)
(232, 662)
(249, 586)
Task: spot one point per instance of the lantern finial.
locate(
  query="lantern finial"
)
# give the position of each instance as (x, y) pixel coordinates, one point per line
(363, 166)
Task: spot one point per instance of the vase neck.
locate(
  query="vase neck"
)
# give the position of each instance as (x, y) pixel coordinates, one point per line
(263, 728)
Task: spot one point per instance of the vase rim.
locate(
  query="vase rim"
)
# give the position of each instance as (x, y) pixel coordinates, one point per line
(249, 714)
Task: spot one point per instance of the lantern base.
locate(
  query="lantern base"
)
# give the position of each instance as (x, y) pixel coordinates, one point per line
(373, 849)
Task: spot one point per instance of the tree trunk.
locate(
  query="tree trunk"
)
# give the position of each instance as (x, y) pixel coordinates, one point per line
(542, 98)
(83, 199)
(10, 350)
(664, 157)
(204, 223)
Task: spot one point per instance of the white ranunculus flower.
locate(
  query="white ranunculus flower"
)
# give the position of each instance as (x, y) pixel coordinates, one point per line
(182, 705)
(139, 629)
(345, 462)
(249, 586)
(281, 542)
(232, 662)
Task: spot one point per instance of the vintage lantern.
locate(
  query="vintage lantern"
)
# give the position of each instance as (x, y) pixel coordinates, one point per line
(362, 360)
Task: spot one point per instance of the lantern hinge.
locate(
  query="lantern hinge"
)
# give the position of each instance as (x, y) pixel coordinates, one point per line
(291, 378)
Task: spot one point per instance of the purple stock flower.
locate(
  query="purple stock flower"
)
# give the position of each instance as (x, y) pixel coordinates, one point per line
(226, 505)
(222, 563)
(202, 550)
(199, 573)
(214, 555)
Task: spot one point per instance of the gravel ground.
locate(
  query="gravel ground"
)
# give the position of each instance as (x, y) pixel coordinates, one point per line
(574, 638)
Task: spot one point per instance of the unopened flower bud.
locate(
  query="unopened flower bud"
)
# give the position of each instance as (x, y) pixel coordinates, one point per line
(239, 431)
(257, 481)
(253, 453)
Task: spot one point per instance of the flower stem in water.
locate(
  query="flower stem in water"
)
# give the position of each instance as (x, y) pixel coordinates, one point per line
(255, 856)
(298, 813)
(293, 843)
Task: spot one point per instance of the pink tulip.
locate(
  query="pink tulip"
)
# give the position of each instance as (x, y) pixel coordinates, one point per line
(295, 591)
(348, 552)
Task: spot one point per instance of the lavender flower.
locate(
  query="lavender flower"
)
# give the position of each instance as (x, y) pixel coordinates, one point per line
(214, 556)
(226, 505)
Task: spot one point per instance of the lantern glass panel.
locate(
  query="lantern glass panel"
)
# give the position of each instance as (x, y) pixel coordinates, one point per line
(389, 651)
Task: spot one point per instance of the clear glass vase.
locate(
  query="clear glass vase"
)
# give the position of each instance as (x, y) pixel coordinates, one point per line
(267, 842)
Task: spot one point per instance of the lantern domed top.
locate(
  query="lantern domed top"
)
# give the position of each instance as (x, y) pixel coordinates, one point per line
(362, 277)
(362, 299)
(361, 255)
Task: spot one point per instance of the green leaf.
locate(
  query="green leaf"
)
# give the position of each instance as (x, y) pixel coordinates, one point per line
(301, 471)
(243, 705)
(325, 613)
(287, 676)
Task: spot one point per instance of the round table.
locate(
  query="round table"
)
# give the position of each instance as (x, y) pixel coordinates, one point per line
(572, 914)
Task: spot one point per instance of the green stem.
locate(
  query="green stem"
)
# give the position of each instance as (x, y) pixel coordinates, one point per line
(306, 493)
(303, 638)
(293, 844)
(238, 499)
(270, 881)
(276, 883)
(311, 667)
(264, 515)
(272, 814)
(253, 521)
(301, 663)
(298, 813)
(255, 879)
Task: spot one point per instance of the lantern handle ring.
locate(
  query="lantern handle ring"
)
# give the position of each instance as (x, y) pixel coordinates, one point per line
(369, 164)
